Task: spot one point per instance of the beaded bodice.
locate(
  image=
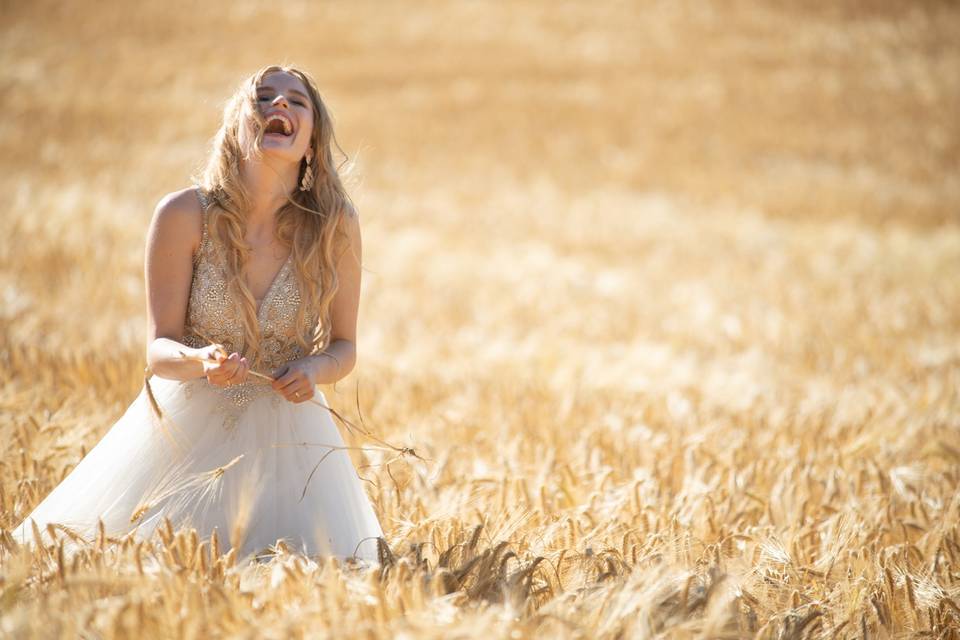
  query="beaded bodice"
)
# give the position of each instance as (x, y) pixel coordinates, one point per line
(213, 315)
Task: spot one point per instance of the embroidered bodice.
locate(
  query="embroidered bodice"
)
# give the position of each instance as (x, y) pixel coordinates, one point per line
(213, 315)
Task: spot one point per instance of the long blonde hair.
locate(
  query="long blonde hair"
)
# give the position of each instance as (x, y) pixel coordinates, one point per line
(309, 223)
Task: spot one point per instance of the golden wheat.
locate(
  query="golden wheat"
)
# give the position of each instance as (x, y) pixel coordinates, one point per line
(664, 296)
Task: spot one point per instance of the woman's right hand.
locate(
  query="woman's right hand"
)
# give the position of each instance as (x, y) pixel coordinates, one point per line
(223, 370)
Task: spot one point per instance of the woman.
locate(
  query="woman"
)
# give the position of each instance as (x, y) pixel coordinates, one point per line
(253, 283)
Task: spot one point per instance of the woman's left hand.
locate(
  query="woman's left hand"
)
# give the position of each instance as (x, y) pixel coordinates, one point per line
(294, 381)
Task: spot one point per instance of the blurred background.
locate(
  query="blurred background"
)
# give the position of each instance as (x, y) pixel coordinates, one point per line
(647, 242)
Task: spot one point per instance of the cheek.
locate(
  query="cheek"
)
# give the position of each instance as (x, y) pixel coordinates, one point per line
(306, 130)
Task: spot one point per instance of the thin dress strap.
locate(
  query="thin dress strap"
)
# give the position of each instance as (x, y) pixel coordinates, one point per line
(204, 205)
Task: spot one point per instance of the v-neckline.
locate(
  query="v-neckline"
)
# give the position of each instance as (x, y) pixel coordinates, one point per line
(273, 283)
(267, 297)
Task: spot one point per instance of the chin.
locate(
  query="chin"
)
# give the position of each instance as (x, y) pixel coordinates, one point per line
(281, 153)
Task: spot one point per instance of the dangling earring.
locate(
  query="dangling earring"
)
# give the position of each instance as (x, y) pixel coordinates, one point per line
(307, 180)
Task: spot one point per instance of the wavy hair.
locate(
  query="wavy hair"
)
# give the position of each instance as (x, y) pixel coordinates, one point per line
(309, 222)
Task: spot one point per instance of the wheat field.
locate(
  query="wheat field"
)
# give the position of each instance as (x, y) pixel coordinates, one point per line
(664, 295)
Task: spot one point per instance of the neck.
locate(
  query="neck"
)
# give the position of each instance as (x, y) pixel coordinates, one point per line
(268, 185)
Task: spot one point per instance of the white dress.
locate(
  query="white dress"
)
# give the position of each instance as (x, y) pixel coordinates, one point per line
(242, 460)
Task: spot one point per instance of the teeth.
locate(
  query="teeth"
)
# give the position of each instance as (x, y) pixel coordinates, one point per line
(287, 127)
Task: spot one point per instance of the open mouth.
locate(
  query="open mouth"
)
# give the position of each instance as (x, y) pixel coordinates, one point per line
(278, 125)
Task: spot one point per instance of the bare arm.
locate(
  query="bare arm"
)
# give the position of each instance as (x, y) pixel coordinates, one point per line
(344, 309)
(173, 238)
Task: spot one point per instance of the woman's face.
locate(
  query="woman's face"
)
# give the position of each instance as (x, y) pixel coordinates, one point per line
(284, 103)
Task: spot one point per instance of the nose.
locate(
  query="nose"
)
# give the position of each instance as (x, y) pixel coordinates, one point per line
(281, 99)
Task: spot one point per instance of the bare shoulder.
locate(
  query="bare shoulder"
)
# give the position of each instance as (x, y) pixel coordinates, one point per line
(178, 220)
(181, 208)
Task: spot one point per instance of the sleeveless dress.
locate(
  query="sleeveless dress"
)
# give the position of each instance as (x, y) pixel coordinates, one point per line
(241, 460)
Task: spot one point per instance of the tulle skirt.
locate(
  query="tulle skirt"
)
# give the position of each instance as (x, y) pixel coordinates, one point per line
(278, 471)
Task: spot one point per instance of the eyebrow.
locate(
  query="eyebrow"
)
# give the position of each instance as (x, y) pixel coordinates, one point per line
(299, 93)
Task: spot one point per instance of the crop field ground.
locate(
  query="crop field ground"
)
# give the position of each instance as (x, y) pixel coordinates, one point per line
(666, 296)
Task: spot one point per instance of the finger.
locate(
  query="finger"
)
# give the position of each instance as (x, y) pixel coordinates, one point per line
(240, 374)
(302, 393)
(305, 394)
(223, 373)
(288, 390)
(215, 373)
(222, 365)
(279, 373)
(224, 377)
(284, 385)
(283, 382)
(289, 383)
(230, 367)
(243, 370)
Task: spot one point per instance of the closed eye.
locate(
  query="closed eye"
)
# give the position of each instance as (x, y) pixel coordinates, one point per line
(297, 102)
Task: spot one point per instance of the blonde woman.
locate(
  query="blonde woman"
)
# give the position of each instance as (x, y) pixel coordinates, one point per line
(253, 283)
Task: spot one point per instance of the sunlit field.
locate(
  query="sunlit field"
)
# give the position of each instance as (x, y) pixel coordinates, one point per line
(665, 298)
